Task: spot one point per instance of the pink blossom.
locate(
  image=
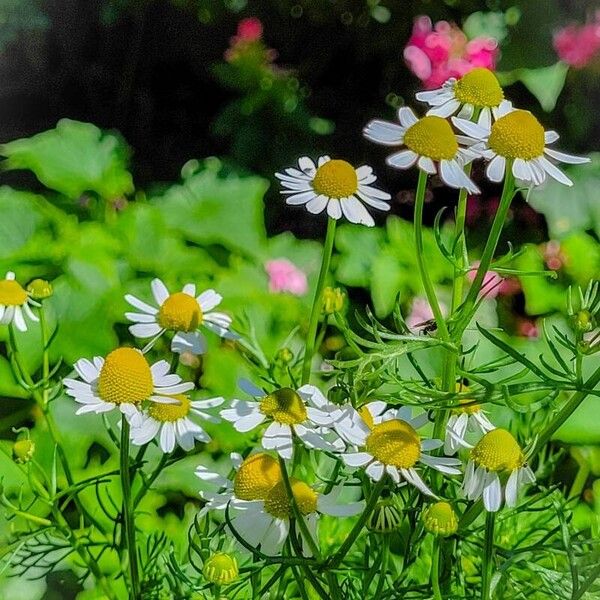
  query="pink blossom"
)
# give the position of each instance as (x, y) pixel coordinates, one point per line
(284, 276)
(436, 53)
(578, 44)
(421, 313)
(250, 29)
(528, 328)
(553, 255)
(492, 282)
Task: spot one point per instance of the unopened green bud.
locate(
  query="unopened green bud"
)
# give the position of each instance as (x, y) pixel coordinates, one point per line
(583, 321)
(23, 451)
(440, 519)
(284, 356)
(40, 289)
(220, 568)
(386, 516)
(333, 300)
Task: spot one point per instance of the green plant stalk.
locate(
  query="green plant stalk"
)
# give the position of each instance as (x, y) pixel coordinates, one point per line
(128, 517)
(487, 565)
(435, 570)
(385, 553)
(318, 301)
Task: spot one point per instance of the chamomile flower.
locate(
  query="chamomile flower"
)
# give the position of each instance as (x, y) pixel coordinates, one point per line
(123, 380)
(394, 446)
(478, 89)
(259, 506)
(172, 423)
(468, 416)
(290, 412)
(336, 186)
(15, 303)
(496, 456)
(182, 312)
(518, 139)
(429, 143)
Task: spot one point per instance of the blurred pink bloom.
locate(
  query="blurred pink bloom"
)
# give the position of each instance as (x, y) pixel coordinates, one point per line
(284, 276)
(250, 29)
(421, 313)
(527, 328)
(578, 44)
(553, 256)
(492, 282)
(435, 53)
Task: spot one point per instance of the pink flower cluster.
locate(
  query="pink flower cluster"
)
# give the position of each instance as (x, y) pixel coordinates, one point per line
(578, 44)
(248, 30)
(437, 52)
(285, 276)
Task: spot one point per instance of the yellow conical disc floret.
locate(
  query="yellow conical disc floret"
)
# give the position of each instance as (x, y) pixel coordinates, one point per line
(498, 451)
(366, 416)
(433, 137)
(284, 406)
(517, 135)
(335, 179)
(256, 476)
(277, 502)
(440, 519)
(480, 88)
(12, 293)
(180, 312)
(170, 412)
(125, 377)
(395, 443)
(220, 568)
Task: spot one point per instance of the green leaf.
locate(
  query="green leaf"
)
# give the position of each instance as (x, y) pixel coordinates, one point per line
(545, 83)
(74, 158)
(387, 277)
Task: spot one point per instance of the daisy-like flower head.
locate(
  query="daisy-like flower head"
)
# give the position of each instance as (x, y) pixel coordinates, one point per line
(430, 144)
(171, 423)
(336, 186)
(518, 138)
(123, 379)
(440, 519)
(494, 458)
(182, 312)
(290, 412)
(260, 508)
(468, 416)
(477, 89)
(15, 303)
(394, 446)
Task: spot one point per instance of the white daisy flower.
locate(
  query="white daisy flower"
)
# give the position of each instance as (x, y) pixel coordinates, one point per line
(123, 379)
(478, 89)
(393, 446)
(182, 312)
(15, 303)
(430, 144)
(291, 413)
(496, 455)
(467, 417)
(171, 423)
(517, 138)
(259, 507)
(335, 186)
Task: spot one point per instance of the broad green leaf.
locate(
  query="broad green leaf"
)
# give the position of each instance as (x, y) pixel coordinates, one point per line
(387, 277)
(74, 158)
(545, 83)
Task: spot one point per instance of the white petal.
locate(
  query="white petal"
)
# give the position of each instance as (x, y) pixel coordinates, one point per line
(413, 477)
(208, 300)
(495, 170)
(86, 370)
(355, 212)
(554, 171)
(402, 160)
(384, 132)
(317, 205)
(446, 109)
(159, 290)
(334, 210)
(427, 165)
(301, 198)
(406, 116)
(192, 342)
(512, 488)
(145, 330)
(375, 470)
(357, 459)
(18, 319)
(566, 158)
(492, 493)
(470, 128)
(307, 165)
(278, 437)
(550, 136)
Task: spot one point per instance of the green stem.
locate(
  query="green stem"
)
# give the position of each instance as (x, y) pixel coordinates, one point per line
(384, 563)
(435, 570)
(460, 252)
(45, 356)
(317, 301)
(147, 484)
(338, 557)
(128, 516)
(487, 566)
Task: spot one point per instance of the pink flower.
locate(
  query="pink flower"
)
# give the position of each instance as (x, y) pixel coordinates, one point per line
(553, 255)
(528, 328)
(436, 53)
(421, 314)
(250, 29)
(578, 44)
(284, 276)
(492, 282)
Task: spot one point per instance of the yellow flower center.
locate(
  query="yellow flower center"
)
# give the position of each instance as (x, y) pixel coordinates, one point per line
(367, 417)
(498, 451)
(125, 377)
(517, 135)
(284, 406)
(220, 568)
(256, 476)
(480, 88)
(278, 505)
(394, 443)
(170, 412)
(440, 519)
(432, 136)
(11, 293)
(180, 312)
(335, 179)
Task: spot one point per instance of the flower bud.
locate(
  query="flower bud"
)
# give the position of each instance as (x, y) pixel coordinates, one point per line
(220, 568)
(333, 300)
(386, 516)
(583, 321)
(40, 289)
(440, 519)
(23, 451)
(284, 356)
